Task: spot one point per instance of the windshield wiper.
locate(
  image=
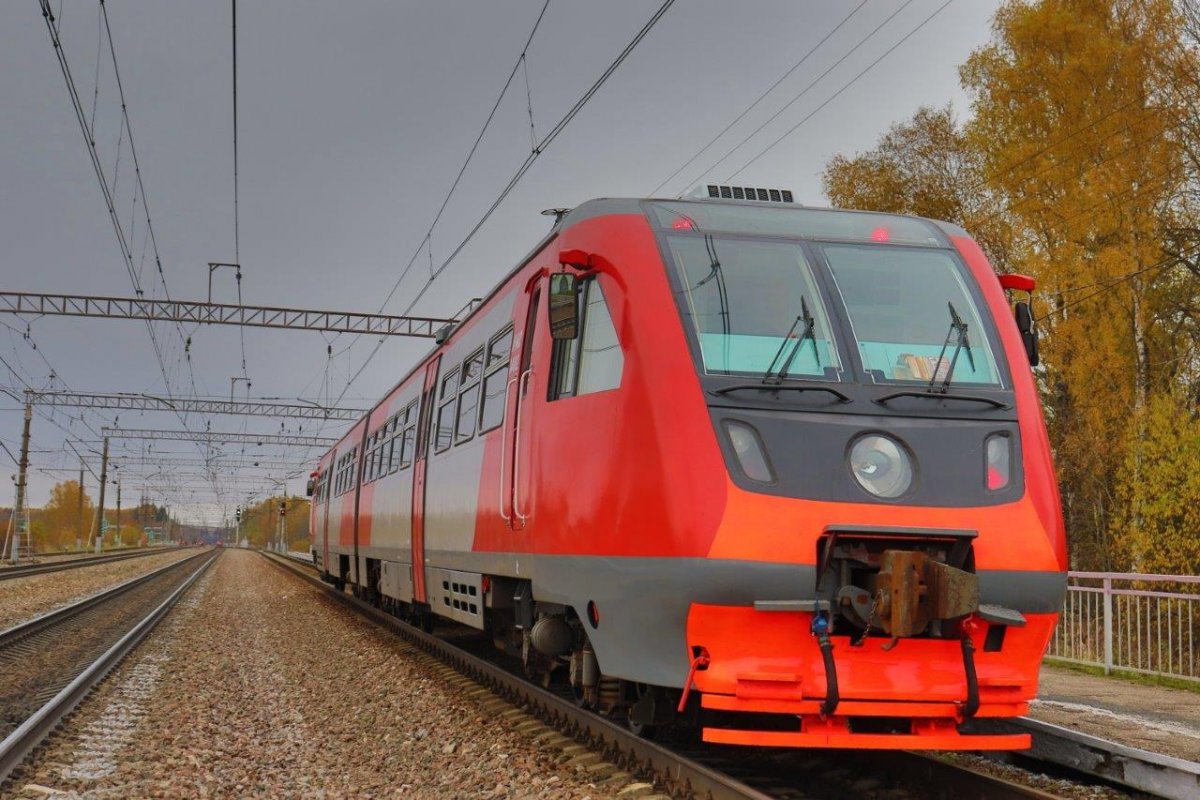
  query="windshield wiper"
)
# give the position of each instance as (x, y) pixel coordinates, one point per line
(959, 328)
(810, 326)
(770, 387)
(883, 401)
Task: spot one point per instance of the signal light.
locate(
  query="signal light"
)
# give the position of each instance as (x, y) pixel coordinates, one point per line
(880, 234)
(683, 224)
(998, 452)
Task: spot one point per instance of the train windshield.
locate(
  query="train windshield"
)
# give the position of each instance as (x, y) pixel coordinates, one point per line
(755, 307)
(908, 308)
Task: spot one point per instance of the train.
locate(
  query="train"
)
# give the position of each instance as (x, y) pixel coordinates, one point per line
(727, 461)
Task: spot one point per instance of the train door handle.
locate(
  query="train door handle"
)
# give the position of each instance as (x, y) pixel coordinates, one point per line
(504, 446)
(522, 388)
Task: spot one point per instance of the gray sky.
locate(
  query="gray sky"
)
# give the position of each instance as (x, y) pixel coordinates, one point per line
(354, 118)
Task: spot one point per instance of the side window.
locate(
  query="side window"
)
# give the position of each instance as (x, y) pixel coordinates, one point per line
(593, 361)
(444, 435)
(468, 397)
(408, 436)
(495, 385)
(600, 358)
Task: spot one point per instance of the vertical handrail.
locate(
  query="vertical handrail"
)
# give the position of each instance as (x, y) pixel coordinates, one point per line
(522, 388)
(504, 446)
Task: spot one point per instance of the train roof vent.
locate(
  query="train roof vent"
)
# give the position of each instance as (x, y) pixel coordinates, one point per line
(716, 191)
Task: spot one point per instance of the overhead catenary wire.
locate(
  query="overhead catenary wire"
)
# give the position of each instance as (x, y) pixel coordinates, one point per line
(108, 192)
(541, 147)
(237, 238)
(807, 88)
(808, 54)
(841, 90)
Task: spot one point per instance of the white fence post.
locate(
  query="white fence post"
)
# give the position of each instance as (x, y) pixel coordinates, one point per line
(1108, 626)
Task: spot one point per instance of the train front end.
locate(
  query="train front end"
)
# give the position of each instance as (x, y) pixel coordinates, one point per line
(872, 396)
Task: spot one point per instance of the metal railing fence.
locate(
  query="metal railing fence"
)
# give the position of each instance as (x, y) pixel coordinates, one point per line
(1130, 621)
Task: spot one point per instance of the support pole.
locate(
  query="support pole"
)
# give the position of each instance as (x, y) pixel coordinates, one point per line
(99, 533)
(117, 537)
(79, 511)
(23, 469)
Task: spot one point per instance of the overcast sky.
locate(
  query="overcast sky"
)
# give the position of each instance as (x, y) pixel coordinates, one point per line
(354, 118)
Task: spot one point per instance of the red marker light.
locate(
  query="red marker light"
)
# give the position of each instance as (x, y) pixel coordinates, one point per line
(880, 235)
(683, 224)
(995, 480)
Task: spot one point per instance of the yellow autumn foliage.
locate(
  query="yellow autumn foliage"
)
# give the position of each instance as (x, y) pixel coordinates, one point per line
(1075, 165)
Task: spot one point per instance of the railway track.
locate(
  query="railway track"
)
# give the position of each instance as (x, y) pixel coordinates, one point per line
(50, 663)
(685, 769)
(25, 570)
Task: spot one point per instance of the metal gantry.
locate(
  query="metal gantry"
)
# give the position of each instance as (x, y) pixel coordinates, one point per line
(144, 402)
(214, 437)
(216, 462)
(184, 311)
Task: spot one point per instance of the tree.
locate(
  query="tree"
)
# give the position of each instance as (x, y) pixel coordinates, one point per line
(1075, 165)
(1161, 480)
(60, 520)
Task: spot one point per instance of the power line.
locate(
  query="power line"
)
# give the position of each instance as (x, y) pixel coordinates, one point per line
(1118, 280)
(760, 98)
(524, 168)
(106, 191)
(426, 242)
(840, 91)
(467, 161)
(237, 238)
(811, 84)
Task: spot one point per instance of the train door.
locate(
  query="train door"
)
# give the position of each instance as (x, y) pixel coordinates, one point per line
(419, 467)
(514, 505)
(326, 500)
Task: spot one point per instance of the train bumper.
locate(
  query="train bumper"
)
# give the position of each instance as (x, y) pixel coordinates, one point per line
(913, 696)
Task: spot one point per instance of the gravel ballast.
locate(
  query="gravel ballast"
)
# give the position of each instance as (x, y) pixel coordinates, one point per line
(258, 686)
(22, 599)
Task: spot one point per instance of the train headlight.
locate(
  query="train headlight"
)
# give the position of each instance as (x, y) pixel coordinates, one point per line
(998, 469)
(751, 456)
(882, 466)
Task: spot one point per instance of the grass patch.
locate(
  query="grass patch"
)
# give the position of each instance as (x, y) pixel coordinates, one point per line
(1130, 677)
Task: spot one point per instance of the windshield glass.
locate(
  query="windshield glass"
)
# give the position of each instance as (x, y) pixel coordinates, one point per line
(747, 301)
(898, 302)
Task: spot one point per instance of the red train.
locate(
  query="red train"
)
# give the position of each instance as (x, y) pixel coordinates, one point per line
(727, 454)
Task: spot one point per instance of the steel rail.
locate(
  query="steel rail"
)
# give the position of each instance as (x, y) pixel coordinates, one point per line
(1140, 770)
(25, 570)
(681, 773)
(21, 630)
(684, 774)
(42, 722)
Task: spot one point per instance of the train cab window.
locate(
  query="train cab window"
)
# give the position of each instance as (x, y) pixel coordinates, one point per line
(468, 397)
(444, 435)
(904, 305)
(754, 305)
(592, 361)
(495, 385)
